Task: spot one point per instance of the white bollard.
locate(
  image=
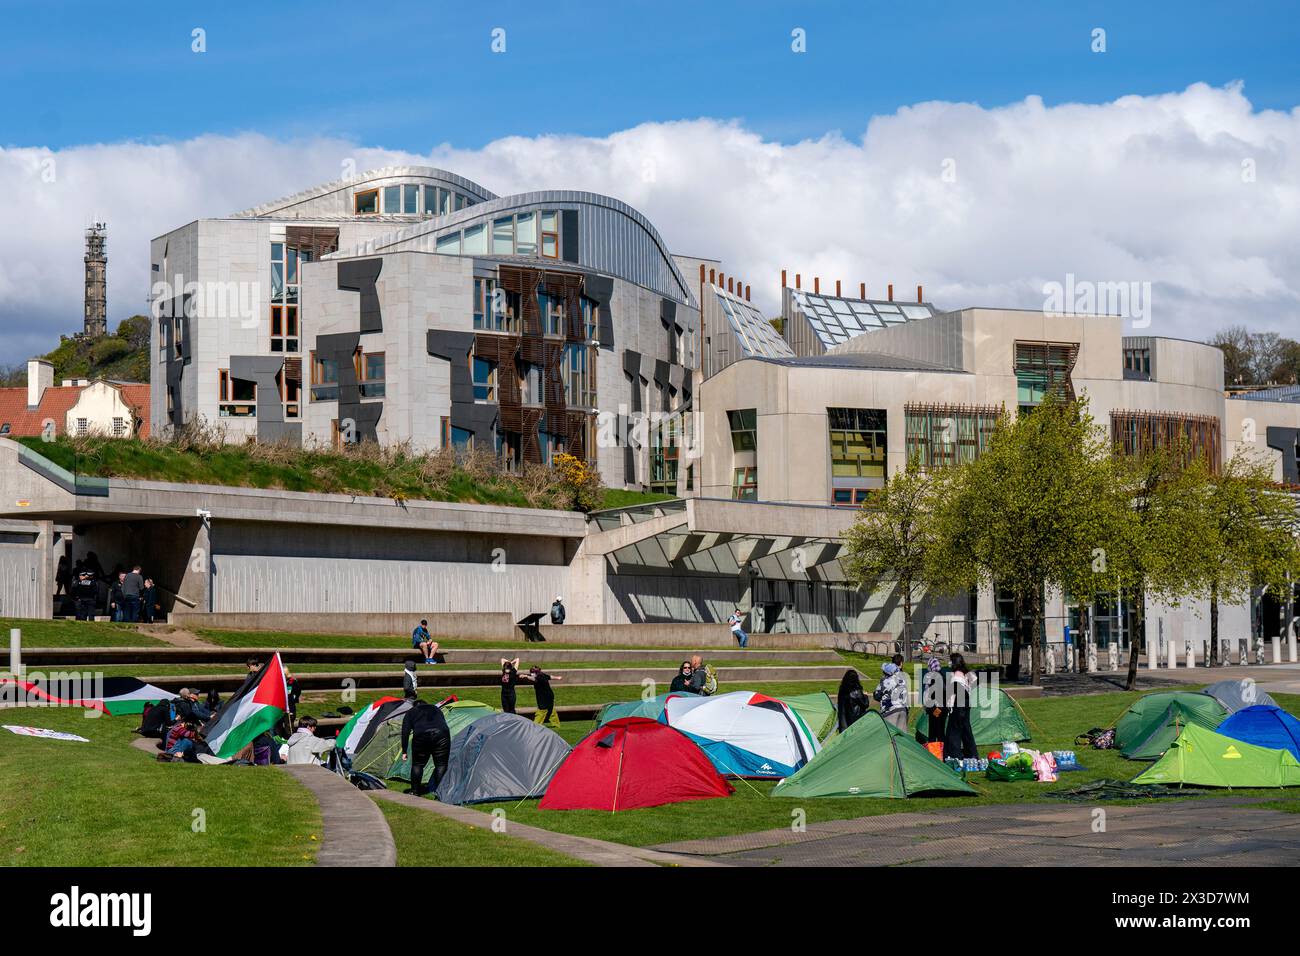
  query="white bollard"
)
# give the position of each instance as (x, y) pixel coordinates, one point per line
(1173, 653)
(1092, 658)
(1153, 654)
(1191, 655)
(1112, 655)
(1050, 664)
(15, 652)
(1277, 649)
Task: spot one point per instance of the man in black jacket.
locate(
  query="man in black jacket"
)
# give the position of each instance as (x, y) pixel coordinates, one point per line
(85, 593)
(425, 734)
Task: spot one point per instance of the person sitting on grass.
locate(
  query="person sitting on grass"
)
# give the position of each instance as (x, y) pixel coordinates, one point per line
(304, 746)
(422, 642)
(180, 740)
(682, 681)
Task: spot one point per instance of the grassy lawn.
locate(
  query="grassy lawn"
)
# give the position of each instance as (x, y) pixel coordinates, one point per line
(361, 470)
(226, 638)
(427, 839)
(105, 803)
(38, 633)
(1054, 723)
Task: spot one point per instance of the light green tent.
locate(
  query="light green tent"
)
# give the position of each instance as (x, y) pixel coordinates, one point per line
(872, 759)
(382, 754)
(1203, 758)
(1148, 728)
(816, 710)
(994, 717)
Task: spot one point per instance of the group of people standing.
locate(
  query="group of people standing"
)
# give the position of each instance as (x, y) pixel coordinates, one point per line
(126, 596)
(945, 695)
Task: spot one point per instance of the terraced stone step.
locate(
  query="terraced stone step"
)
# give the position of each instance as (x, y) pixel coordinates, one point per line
(534, 653)
(431, 677)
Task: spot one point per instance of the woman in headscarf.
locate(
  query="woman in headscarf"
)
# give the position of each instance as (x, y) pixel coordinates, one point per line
(852, 701)
(933, 699)
(959, 740)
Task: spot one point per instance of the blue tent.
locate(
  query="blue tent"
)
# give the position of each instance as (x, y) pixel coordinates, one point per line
(1264, 726)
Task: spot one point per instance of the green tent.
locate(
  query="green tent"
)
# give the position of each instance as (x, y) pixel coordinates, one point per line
(816, 710)
(872, 759)
(382, 754)
(1148, 728)
(1203, 758)
(994, 717)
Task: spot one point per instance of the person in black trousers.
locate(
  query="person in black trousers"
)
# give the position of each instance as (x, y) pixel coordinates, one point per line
(85, 593)
(933, 698)
(545, 695)
(959, 740)
(509, 681)
(425, 734)
(852, 701)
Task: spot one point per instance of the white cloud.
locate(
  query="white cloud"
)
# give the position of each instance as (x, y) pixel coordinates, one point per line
(1141, 189)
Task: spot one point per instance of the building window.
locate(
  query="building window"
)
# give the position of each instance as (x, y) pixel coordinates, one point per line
(744, 429)
(526, 234)
(178, 337)
(1137, 363)
(858, 439)
(475, 240)
(665, 457)
(744, 483)
(578, 371)
(410, 199)
(551, 310)
(449, 244)
(849, 497)
(119, 427)
(366, 203)
(236, 397)
(392, 200)
(530, 384)
(503, 236)
(83, 426)
(164, 329)
(324, 379)
(285, 263)
(485, 379)
(171, 400)
(1043, 368)
(370, 373)
(942, 435)
(1136, 433)
(590, 318)
(509, 447)
(289, 383)
(551, 235)
(549, 444)
(453, 437)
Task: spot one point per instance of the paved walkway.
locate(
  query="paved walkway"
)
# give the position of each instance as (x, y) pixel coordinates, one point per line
(354, 831)
(173, 635)
(596, 852)
(1206, 832)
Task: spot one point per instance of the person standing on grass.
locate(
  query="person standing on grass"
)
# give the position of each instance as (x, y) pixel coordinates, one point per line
(425, 735)
(892, 694)
(541, 682)
(959, 739)
(132, 586)
(509, 681)
(933, 698)
(852, 701)
(148, 601)
(737, 622)
(421, 641)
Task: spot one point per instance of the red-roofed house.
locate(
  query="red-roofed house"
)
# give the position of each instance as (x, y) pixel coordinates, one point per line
(76, 407)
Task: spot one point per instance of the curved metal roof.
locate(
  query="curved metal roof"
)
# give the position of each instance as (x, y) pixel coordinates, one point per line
(384, 172)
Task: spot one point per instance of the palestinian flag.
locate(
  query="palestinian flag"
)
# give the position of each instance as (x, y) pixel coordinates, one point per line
(256, 707)
(111, 695)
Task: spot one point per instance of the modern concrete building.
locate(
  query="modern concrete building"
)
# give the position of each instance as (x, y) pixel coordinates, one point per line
(866, 385)
(412, 305)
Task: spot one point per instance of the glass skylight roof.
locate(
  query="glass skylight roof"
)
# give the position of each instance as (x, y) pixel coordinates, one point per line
(835, 320)
(755, 334)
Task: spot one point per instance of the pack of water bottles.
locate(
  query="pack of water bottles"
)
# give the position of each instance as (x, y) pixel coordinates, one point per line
(967, 764)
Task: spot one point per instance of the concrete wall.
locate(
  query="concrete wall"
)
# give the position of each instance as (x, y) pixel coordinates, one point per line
(480, 627)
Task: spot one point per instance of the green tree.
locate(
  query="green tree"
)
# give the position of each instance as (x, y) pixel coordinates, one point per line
(1036, 512)
(1253, 523)
(892, 539)
(1166, 548)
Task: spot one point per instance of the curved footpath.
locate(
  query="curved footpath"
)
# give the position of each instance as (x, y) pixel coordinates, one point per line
(354, 831)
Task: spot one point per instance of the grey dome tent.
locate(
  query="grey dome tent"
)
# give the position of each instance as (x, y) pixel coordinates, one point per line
(1239, 694)
(501, 757)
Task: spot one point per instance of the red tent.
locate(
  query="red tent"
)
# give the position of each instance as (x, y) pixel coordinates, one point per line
(633, 762)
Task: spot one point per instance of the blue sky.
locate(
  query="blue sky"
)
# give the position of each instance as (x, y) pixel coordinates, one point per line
(411, 75)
